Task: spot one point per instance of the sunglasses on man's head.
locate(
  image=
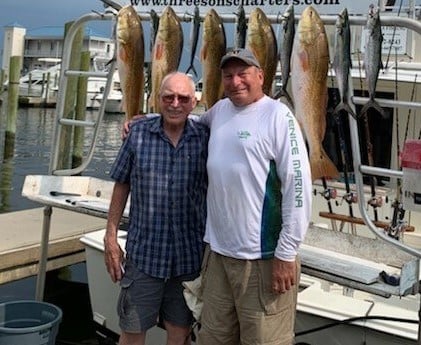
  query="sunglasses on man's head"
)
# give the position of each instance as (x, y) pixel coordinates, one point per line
(181, 98)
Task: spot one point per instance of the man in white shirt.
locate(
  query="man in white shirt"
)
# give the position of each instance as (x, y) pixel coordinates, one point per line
(258, 211)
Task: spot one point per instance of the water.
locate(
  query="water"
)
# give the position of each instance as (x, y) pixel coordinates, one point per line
(32, 152)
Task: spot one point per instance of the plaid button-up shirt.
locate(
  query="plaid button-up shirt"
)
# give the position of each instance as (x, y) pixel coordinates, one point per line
(168, 197)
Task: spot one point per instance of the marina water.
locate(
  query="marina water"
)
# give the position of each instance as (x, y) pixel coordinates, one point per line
(32, 150)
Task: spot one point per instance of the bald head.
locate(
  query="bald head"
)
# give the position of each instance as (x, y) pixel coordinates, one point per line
(178, 78)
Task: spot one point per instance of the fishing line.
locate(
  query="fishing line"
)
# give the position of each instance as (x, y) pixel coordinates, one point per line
(398, 149)
(360, 69)
(372, 202)
(414, 86)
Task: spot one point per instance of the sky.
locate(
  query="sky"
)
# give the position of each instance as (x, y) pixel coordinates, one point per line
(36, 13)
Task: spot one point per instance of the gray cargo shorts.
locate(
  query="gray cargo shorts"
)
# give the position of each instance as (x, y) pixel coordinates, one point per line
(143, 299)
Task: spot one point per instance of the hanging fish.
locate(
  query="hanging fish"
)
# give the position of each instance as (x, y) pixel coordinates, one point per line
(288, 33)
(241, 28)
(261, 41)
(342, 61)
(166, 52)
(154, 28)
(373, 58)
(130, 60)
(194, 39)
(309, 67)
(213, 49)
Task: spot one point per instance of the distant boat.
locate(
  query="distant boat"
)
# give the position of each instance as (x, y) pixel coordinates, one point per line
(41, 86)
(113, 102)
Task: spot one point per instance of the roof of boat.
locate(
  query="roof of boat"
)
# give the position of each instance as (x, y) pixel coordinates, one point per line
(58, 31)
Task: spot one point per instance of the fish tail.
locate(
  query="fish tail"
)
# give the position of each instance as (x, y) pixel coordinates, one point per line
(191, 68)
(343, 106)
(376, 106)
(322, 166)
(284, 93)
(289, 99)
(277, 95)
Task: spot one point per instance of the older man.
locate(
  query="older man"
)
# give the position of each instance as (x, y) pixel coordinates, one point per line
(162, 163)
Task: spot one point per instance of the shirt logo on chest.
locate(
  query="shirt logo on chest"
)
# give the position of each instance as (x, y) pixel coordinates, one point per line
(243, 134)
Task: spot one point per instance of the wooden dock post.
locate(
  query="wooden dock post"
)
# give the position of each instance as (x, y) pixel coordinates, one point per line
(82, 90)
(45, 94)
(1, 81)
(63, 160)
(70, 99)
(12, 105)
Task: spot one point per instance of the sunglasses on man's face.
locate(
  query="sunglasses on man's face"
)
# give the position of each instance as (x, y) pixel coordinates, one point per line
(181, 98)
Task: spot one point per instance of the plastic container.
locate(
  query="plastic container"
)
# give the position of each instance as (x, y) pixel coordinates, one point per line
(411, 182)
(29, 323)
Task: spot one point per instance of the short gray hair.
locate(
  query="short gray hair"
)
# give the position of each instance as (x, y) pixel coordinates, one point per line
(172, 74)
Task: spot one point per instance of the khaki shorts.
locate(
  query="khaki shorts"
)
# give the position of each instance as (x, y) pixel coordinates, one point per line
(239, 306)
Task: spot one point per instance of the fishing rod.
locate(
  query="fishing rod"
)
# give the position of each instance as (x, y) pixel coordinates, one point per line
(374, 201)
(341, 66)
(398, 212)
(328, 194)
(397, 223)
(349, 196)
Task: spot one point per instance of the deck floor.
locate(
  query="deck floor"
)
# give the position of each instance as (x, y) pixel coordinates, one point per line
(21, 233)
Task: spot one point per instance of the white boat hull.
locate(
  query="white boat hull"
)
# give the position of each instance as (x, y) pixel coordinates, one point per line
(343, 334)
(104, 293)
(319, 303)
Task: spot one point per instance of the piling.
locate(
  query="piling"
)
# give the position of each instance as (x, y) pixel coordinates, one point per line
(12, 106)
(82, 90)
(6, 186)
(1, 81)
(45, 94)
(70, 98)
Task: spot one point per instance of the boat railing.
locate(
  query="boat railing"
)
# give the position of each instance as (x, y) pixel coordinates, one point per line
(60, 108)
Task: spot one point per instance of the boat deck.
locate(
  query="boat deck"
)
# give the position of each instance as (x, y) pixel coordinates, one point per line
(21, 233)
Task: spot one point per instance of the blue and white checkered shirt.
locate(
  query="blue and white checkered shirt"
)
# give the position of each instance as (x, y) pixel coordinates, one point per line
(168, 197)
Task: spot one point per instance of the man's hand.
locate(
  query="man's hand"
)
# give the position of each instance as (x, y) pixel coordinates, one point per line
(126, 125)
(284, 275)
(114, 257)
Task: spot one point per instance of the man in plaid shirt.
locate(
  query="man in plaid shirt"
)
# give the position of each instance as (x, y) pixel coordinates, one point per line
(162, 165)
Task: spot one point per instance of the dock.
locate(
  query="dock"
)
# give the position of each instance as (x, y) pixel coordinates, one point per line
(21, 233)
(37, 102)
